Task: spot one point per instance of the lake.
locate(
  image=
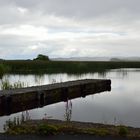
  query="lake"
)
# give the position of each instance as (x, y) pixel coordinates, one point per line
(120, 106)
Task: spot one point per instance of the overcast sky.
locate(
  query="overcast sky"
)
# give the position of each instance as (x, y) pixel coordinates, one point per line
(69, 28)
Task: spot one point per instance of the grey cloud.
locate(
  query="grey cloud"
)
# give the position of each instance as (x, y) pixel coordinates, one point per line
(65, 28)
(77, 9)
(81, 8)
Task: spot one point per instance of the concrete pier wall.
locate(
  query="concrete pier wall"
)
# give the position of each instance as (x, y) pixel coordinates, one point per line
(16, 100)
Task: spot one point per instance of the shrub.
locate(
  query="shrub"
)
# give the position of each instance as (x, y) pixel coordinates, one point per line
(123, 131)
(47, 129)
(42, 57)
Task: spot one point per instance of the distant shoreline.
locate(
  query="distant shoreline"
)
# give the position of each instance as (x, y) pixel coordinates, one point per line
(72, 67)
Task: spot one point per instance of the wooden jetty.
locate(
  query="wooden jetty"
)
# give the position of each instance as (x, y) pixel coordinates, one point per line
(16, 100)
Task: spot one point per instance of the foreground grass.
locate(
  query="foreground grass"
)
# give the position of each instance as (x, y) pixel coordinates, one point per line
(40, 66)
(53, 127)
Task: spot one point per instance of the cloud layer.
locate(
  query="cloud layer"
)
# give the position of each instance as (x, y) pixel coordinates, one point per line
(63, 28)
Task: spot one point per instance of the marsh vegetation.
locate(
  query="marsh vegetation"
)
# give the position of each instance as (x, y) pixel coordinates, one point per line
(5, 84)
(41, 66)
(3, 69)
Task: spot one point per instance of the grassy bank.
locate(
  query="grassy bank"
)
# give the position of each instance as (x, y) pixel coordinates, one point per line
(51, 127)
(39, 66)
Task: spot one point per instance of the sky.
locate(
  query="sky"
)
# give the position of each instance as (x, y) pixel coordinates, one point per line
(69, 28)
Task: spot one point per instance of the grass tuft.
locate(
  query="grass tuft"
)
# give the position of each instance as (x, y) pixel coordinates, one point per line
(5, 85)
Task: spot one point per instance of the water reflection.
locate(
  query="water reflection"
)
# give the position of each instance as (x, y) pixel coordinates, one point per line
(39, 79)
(122, 73)
(102, 74)
(120, 106)
(68, 110)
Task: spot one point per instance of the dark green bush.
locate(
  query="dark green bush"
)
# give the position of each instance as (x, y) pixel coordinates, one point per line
(47, 129)
(42, 57)
(123, 131)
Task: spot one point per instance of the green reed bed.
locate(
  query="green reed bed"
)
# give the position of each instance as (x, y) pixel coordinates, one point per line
(3, 69)
(40, 66)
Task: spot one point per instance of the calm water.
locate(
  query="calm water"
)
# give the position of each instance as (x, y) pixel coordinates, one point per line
(120, 106)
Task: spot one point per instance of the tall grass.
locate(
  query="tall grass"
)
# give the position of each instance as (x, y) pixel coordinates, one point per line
(39, 66)
(11, 124)
(3, 69)
(5, 84)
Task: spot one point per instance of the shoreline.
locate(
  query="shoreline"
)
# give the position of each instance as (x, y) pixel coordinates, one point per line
(55, 127)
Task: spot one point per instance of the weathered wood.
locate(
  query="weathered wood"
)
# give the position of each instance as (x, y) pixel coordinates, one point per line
(15, 100)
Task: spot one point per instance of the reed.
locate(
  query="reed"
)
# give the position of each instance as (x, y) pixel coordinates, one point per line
(40, 66)
(5, 84)
(3, 69)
